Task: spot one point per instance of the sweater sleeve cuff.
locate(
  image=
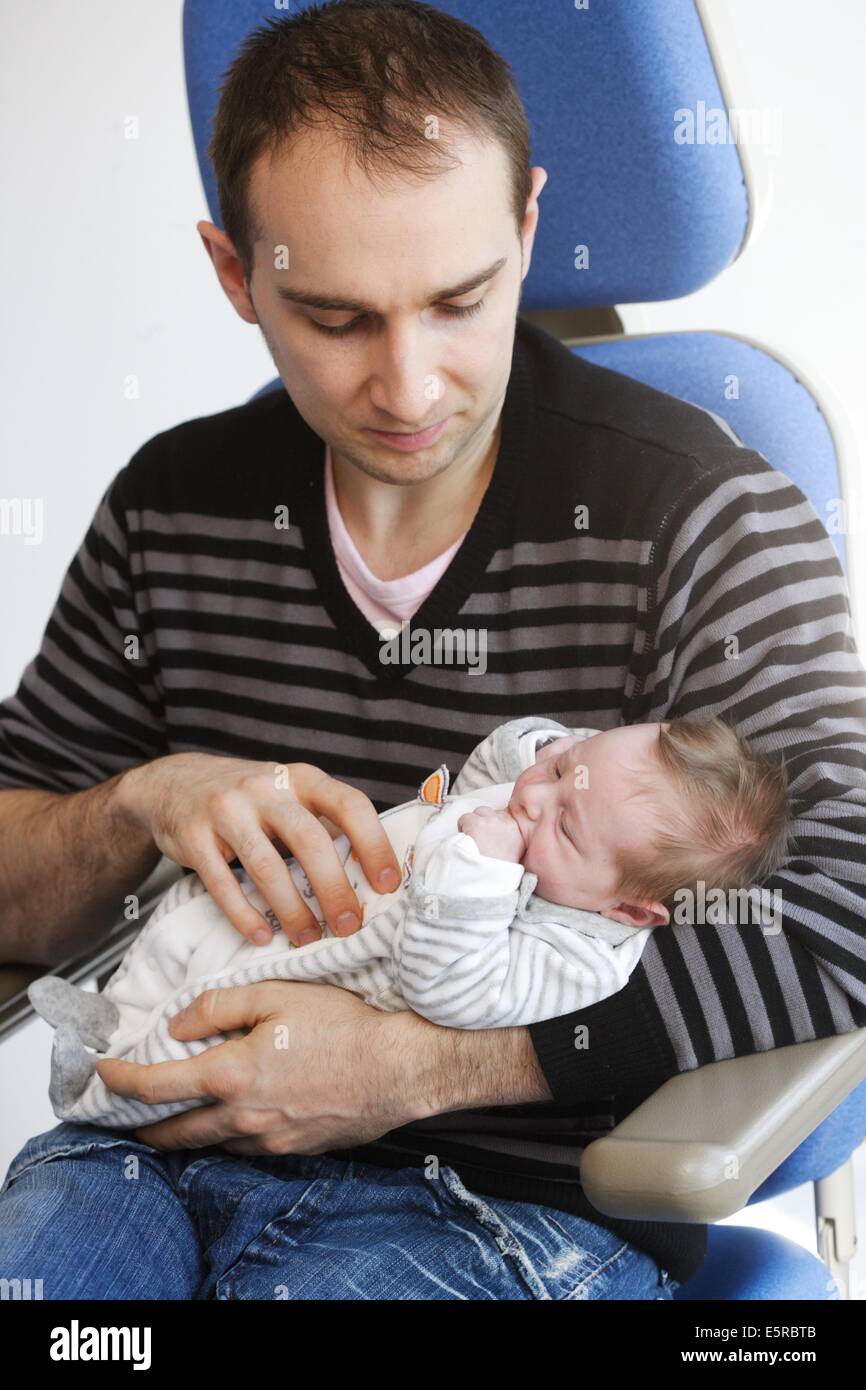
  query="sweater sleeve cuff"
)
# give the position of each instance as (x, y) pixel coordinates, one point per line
(614, 1046)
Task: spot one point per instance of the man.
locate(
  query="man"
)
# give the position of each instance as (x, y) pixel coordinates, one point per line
(214, 669)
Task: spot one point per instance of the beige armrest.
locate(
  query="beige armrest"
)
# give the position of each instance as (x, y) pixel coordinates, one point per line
(699, 1147)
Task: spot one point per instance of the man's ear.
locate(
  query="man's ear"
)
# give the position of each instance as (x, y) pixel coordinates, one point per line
(643, 912)
(230, 272)
(530, 222)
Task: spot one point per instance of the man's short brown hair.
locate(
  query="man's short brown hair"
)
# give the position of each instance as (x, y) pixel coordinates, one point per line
(376, 71)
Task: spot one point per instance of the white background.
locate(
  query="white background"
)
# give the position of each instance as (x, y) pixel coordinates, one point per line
(104, 276)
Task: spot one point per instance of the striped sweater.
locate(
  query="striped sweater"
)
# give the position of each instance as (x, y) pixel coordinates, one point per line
(628, 563)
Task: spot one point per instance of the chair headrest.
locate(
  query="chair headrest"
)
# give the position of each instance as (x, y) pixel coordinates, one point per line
(620, 99)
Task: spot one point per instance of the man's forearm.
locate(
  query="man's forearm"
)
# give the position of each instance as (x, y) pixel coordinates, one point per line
(66, 864)
(461, 1068)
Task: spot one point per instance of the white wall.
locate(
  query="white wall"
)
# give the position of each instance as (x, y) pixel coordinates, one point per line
(799, 287)
(104, 277)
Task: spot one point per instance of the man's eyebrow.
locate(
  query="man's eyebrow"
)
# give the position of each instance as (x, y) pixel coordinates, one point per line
(331, 302)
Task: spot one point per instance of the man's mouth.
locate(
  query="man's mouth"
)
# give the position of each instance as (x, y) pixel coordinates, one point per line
(408, 443)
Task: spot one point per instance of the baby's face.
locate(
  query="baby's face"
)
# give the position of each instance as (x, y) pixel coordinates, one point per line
(577, 806)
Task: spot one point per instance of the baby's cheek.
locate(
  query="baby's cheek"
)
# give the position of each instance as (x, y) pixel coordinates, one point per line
(535, 861)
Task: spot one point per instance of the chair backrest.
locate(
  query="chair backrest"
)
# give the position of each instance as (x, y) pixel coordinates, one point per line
(605, 89)
(761, 397)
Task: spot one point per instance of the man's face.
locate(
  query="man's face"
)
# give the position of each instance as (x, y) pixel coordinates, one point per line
(404, 363)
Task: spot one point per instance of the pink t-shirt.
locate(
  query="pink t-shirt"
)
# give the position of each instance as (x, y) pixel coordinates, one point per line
(386, 602)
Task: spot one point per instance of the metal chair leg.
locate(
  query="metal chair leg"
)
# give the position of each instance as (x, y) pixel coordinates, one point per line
(835, 1224)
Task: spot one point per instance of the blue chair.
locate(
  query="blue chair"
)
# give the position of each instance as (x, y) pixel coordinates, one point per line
(661, 219)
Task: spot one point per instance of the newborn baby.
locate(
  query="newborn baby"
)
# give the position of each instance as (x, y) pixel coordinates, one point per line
(527, 893)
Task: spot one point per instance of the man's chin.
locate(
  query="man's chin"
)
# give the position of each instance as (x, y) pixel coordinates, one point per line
(377, 463)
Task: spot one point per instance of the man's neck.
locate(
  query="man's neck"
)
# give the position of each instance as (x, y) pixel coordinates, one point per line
(398, 530)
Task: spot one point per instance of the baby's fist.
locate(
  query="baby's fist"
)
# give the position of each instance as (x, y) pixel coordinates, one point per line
(496, 833)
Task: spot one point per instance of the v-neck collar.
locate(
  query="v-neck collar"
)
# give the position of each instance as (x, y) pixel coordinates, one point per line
(389, 595)
(442, 605)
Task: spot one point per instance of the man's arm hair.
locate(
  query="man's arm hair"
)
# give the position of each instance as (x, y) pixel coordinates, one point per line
(67, 861)
(446, 1069)
(84, 715)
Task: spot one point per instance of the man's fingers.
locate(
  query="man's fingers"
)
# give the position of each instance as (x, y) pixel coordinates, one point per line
(333, 830)
(222, 1011)
(270, 873)
(311, 844)
(356, 815)
(194, 1129)
(227, 893)
(250, 1147)
(161, 1081)
(222, 1072)
(270, 1141)
(247, 830)
(218, 1124)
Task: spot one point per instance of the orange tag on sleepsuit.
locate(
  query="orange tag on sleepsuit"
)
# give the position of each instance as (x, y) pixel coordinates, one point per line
(434, 788)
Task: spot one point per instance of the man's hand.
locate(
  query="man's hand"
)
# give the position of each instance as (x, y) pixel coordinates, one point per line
(203, 811)
(496, 833)
(319, 1070)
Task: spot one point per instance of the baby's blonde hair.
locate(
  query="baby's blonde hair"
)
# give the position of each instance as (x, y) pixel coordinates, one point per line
(726, 811)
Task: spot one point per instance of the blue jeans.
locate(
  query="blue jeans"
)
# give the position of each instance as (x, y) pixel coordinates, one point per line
(95, 1214)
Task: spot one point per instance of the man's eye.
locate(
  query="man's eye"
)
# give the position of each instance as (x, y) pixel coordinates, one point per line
(556, 770)
(452, 310)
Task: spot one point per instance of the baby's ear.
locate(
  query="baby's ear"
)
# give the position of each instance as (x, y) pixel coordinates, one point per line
(645, 913)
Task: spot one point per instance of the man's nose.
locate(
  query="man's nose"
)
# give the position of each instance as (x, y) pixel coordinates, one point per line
(405, 383)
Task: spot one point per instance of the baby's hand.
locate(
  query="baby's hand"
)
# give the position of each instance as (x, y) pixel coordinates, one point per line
(495, 833)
